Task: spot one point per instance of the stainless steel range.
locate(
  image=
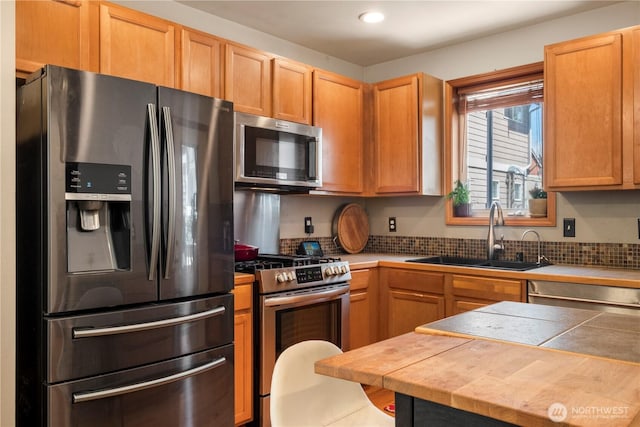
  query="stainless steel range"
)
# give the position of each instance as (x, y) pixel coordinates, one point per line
(297, 298)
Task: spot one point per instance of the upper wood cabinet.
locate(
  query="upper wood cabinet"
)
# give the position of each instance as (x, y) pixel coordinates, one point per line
(63, 33)
(291, 91)
(138, 46)
(590, 141)
(408, 116)
(636, 103)
(338, 110)
(247, 79)
(202, 58)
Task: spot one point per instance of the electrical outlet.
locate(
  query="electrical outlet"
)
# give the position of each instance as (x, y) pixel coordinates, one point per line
(569, 227)
(308, 225)
(392, 224)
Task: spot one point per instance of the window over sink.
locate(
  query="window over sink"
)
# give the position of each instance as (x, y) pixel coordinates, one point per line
(495, 142)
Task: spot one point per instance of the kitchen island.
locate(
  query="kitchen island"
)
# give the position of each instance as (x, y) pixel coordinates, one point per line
(460, 377)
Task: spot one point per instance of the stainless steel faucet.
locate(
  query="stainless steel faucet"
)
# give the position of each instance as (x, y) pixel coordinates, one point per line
(494, 248)
(540, 256)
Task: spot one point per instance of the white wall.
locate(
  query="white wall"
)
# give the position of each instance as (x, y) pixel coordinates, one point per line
(600, 216)
(7, 212)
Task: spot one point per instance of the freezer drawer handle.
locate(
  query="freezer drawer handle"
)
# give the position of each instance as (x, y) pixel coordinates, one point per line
(111, 392)
(124, 329)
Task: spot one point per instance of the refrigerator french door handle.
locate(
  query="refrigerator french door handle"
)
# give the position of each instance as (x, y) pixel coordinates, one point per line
(84, 332)
(87, 396)
(155, 162)
(171, 163)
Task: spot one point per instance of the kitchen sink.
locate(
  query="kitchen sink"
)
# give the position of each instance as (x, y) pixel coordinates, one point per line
(477, 262)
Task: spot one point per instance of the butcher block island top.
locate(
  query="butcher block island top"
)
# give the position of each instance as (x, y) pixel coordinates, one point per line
(454, 377)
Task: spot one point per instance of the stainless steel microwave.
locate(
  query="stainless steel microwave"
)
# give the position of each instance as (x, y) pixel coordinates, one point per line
(276, 154)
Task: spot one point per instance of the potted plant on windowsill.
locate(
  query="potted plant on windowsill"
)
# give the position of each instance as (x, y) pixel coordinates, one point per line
(537, 202)
(460, 198)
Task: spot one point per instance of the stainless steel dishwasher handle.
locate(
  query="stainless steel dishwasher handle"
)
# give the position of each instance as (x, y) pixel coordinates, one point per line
(124, 329)
(586, 300)
(116, 391)
(308, 297)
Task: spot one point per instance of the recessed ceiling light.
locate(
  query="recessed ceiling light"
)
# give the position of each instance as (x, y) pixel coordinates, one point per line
(371, 17)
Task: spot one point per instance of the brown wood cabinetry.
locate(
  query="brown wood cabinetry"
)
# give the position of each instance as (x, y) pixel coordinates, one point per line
(590, 140)
(407, 158)
(138, 46)
(363, 312)
(338, 110)
(409, 298)
(243, 353)
(465, 293)
(291, 91)
(202, 63)
(62, 33)
(247, 79)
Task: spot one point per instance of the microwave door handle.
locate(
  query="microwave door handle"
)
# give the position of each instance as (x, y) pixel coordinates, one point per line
(171, 170)
(88, 396)
(155, 191)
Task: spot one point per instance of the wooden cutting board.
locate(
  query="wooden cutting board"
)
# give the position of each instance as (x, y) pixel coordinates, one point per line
(352, 228)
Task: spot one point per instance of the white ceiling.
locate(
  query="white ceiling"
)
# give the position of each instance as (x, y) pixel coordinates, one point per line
(411, 27)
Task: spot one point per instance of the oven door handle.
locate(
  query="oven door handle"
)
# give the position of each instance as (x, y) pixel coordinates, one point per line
(87, 396)
(308, 297)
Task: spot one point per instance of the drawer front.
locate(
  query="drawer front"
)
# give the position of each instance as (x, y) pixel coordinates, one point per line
(82, 346)
(487, 288)
(414, 280)
(242, 297)
(359, 279)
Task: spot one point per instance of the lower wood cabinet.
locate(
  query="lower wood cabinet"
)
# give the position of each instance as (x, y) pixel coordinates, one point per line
(465, 293)
(243, 341)
(409, 298)
(363, 312)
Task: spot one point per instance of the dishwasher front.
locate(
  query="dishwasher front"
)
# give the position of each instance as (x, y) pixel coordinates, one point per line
(612, 299)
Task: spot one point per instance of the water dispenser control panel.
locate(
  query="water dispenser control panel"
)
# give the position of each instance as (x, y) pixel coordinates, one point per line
(98, 178)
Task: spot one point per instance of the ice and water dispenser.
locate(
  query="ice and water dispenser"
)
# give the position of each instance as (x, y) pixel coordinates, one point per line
(98, 203)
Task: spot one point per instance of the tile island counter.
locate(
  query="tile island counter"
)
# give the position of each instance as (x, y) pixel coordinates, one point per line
(502, 369)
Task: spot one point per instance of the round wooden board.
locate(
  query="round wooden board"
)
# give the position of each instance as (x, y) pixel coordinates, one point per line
(352, 228)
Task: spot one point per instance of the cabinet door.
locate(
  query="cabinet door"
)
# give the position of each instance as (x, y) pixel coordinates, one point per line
(407, 310)
(471, 292)
(63, 33)
(338, 110)
(291, 91)
(363, 314)
(412, 298)
(137, 46)
(583, 112)
(396, 155)
(243, 354)
(201, 63)
(635, 43)
(247, 79)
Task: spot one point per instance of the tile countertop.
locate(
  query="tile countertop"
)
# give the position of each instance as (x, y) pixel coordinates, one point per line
(595, 333)
(557, 273)
(507, 381)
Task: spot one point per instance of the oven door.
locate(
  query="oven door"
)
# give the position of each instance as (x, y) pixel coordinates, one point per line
(288, 318)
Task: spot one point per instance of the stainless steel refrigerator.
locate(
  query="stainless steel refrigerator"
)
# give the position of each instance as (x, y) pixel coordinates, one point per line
(124, 253)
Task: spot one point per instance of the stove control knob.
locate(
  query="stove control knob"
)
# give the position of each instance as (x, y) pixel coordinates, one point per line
(281, 277)
(343, 269)
(328, 272)
(290, 277)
